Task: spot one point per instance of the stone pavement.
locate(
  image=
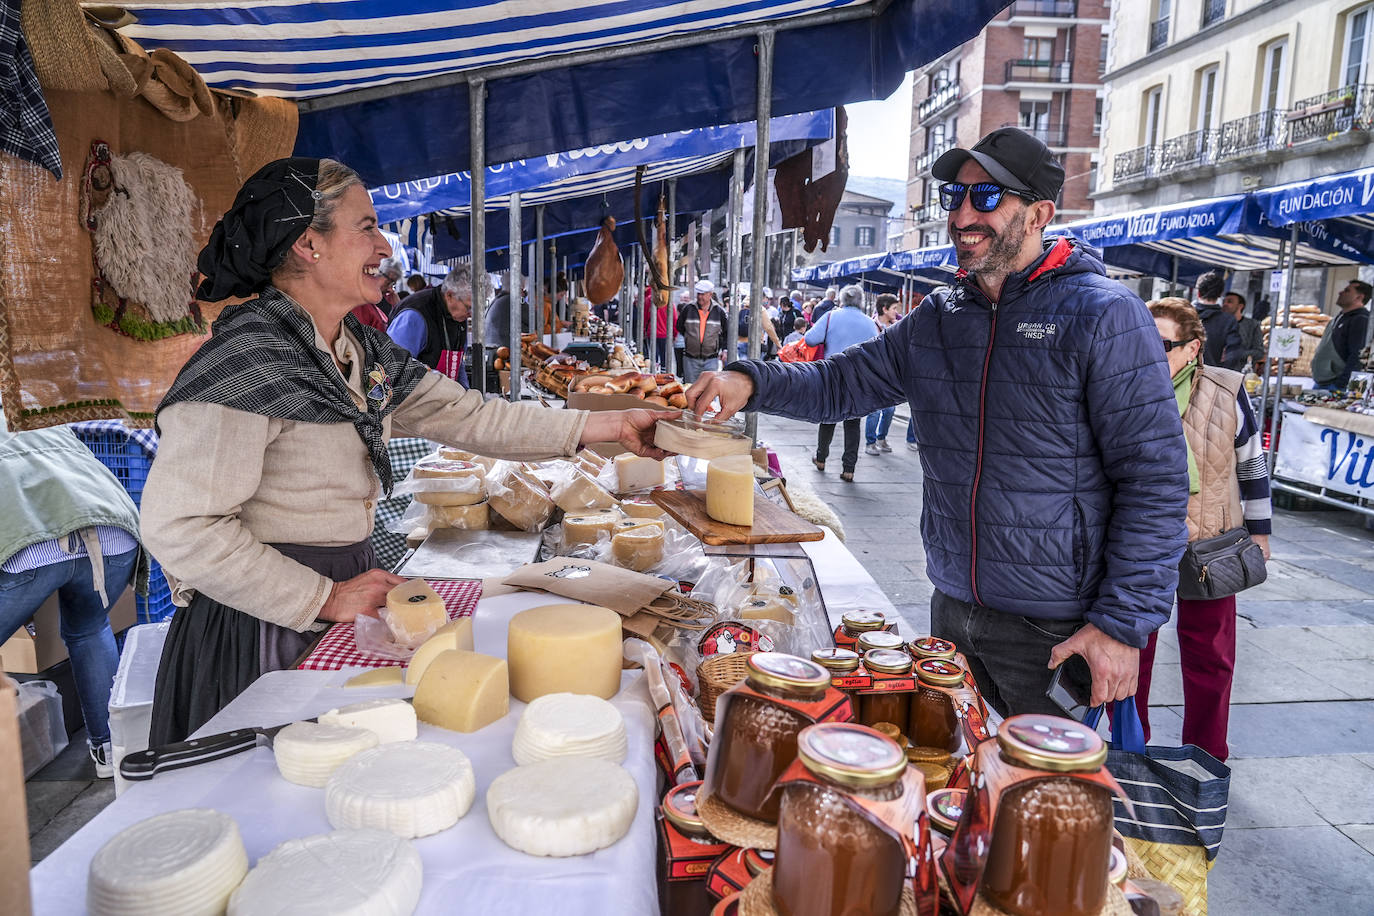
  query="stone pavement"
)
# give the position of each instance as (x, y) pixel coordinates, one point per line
(1300, 826)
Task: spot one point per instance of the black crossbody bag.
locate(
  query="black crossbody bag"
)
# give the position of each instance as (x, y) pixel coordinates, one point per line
(1220, 566)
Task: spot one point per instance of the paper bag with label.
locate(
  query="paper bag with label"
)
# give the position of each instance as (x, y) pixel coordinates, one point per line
(621, 590)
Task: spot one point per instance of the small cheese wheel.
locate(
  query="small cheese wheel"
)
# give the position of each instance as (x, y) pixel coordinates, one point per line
(413, 612)
(377, 677)
(585, 529)
(410, 788)
(444, 469)
(730, 490)
(182, 863)
(390, 720)
(463, 691)
(569, 806)
(628, 523)
(569, 725)
(469, 491)
(456, 634)
(579, 492)
(638, 548)
(761, 608)
(345, 872)
(522, 501)
(636, 473)
(308, 752)
(564, 648)
(640, 507)
(467, 518)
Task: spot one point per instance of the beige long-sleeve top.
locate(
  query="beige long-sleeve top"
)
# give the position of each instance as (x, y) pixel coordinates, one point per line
(226, 483)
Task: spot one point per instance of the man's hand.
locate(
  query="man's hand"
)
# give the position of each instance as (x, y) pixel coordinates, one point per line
(732, 389)
(1115, 665)
(360, 595)
(1263, 541)
(633, 429)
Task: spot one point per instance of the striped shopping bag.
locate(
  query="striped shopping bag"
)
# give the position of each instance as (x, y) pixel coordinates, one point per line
(1179, 796)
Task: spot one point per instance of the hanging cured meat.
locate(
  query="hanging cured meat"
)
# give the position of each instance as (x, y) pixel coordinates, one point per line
(808, 203)
(605, 270)
(662, 288)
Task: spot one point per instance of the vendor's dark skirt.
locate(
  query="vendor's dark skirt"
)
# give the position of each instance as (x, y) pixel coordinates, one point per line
(214, 652)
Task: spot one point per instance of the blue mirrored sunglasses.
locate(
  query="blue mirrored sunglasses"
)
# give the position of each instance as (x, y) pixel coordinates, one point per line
(985, 196)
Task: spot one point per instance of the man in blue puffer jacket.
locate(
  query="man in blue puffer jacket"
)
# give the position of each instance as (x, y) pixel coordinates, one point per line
(1056, 481)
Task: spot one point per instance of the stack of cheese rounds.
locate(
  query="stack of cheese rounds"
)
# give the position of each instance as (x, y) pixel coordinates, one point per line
(182, 863)
(564, 807)
(309, 752)
(346, 872)
(410, 788)
(569, 725)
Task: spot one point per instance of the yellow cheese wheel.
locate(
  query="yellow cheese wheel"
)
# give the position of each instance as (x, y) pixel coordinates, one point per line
(456, 634)
(468, 518)
(463, 691)
(730, 490)
(413, 612)
(640, 547)
(585, 529)
(564, 648)
(522, 501)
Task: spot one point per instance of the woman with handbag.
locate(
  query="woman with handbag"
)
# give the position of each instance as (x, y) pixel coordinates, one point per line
(839, 328)
(1228, 518)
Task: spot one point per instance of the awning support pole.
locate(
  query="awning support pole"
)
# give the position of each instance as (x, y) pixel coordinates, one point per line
(514, 285)
(760, 242)
(477, 222)
(736, 247)
(1264, 373)
(1276, 423)
(539, 285)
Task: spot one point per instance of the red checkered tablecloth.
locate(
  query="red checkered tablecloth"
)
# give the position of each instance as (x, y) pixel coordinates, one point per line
(338, 649)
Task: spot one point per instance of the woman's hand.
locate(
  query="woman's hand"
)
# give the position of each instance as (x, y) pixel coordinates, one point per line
(1263, 541)
(359, 595)
(633, 429)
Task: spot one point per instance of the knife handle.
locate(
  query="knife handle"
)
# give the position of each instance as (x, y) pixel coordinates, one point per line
(141, 765)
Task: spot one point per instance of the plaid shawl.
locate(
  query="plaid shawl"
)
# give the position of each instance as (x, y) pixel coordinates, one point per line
(261, 358)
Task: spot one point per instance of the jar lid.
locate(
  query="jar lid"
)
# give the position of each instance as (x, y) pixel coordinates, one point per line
(863, 621)
(836, 659)
(1051, 743)
(945, 807)
(850, 754)
(757, 861)
(887, 661)
(932, 647)
(939, 672)
(880, 639)
(1116, 871)
(787, 672)
(680, 808)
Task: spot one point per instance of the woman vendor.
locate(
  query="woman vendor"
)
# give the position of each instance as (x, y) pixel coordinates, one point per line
(273, 439)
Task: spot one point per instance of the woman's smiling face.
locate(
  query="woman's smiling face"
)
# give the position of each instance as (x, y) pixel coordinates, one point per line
(352, 251)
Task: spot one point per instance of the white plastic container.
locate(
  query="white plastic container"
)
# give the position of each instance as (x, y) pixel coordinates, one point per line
(131, 700)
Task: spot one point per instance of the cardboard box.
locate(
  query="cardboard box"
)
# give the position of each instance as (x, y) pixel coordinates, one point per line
(30, 653)
(14, 814)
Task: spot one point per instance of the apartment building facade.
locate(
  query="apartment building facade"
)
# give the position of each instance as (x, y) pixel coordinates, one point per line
(1212, 97)
(1038, 66)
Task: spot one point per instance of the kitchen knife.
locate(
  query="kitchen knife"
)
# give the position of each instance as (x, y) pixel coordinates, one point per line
(141, 765)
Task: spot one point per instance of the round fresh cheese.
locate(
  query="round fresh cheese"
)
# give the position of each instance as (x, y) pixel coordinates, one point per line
(343, 873)
(410, 788)
(308, 752)
(182, 863)
(569, 725)
(389, 720)
(569, 806)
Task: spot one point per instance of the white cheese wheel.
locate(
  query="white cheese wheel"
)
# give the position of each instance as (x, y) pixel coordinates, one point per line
(564, 648)
(585, 529)
(569, 725)
(377, 677)
(578, 492)
(730, 490)
(308, 752)
(565, 807)
(463, 691)
(413, 612)
(390, 720)
(456, 634)
(182, 863)
(410, 788)
(343, 873)
(636, 473)
(638, 548)
(522, 501)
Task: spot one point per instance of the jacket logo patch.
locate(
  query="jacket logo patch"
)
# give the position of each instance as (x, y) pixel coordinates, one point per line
(1036, 330)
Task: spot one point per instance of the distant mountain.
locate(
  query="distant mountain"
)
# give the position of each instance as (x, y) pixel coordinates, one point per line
(893, 189)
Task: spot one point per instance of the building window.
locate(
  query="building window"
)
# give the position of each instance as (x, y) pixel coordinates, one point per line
(1038, 49)
(1154, 115)
(1092, 176)
(1097, 116)
(1355, 57)
(1159, 26)
(834, 235)
(1274, 76)
(1102, 49)
(1206, 99)
(863, 237)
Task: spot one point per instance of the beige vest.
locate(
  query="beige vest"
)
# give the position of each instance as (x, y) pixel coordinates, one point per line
(1209, 424)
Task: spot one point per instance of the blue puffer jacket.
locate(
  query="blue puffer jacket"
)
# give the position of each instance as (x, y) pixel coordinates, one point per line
(1056, 481)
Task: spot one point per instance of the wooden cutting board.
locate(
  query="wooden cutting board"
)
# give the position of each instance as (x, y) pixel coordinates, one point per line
(772, 523)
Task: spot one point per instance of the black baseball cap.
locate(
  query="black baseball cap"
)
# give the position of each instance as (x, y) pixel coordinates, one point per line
(1014, 159)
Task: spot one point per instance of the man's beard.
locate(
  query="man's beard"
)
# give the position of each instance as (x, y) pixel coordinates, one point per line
(1003, 250)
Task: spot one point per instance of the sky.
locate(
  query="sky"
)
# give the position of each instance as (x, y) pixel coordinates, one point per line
(880, 135)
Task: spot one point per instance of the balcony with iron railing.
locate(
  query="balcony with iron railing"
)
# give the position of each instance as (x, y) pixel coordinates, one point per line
(1347, 108)
(1048, 134)
(1131, 165)
(927, 159)
(1039, 71)
(1252, 134)
(1187, 151)
(930, 212)
(939, 100)
(1159, 33)
(1057, 9)
(1213, 11)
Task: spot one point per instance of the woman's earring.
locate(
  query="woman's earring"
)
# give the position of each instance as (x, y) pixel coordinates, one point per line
(315, 255)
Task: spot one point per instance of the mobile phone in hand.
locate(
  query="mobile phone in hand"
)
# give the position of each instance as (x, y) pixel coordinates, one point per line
(1071, 687)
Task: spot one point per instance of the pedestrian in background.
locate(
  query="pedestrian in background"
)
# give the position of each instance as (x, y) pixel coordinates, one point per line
(1251, 334)
(1224, 346)
(1338, 354)
(839, 329)
(799, 326)
(887, 310)
(703, 331)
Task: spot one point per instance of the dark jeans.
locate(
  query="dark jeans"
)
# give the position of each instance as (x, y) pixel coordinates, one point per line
(1009, 655)
(851, 442)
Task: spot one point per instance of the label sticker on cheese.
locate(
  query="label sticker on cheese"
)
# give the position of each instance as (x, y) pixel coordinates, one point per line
(413, 612)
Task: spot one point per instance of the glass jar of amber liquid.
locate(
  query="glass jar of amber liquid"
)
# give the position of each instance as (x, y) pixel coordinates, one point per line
(856, 623)
(757, 738)
(932, 647)
(878, 639)
(685, 896)
(893, 706)
(838, 662)
(934, 723)
(831, 860)
(1052, 838)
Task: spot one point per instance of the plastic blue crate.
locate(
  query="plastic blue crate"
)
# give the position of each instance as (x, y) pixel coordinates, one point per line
(125, 458)
(158, 605)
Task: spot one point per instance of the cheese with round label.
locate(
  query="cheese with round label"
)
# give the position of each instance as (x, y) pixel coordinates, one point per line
(585, 529)
(522, 501)
(568, 806)
(343, 873)
(564, 648)
(640, 507)
(456, 634)
(390, 720)
(765, 608)
(579, 492)
(638, 548)
(569, 725)
(308, 752)
(413, 612)
(730, 490)
(465, 518)
(410, 788)
(378, 677)
(628, 523)
(635, 473)
(182, 863)
(463, 691)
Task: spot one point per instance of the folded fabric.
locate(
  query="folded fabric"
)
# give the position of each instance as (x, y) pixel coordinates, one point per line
(26, 127)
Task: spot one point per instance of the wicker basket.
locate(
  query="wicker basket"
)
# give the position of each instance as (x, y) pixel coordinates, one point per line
(716, 675)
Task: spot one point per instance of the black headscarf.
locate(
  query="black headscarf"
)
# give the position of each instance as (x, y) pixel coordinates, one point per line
(272, 209)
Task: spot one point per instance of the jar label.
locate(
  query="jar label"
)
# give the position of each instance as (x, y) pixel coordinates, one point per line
(731, 636)
(934, 645)
(728, 873)
(850, 747)
(687, 858)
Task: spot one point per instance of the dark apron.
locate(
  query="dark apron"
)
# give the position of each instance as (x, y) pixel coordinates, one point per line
(213, 652)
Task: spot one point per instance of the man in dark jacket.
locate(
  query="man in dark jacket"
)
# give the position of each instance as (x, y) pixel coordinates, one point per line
(703, 332)
(1055, 469)
(432, 325)
(1338, 354)
(1224, 347)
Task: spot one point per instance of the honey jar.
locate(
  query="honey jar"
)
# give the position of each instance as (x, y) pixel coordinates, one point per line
(886, 666)
(856, 623)
(945, 807)
(932, 647)
(878, 639)
(686, 852)
(934, 721)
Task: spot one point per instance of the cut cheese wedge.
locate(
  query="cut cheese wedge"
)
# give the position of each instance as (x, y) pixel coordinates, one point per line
(636, 473)
(639, 547)
(413, 612)
(343, 873)
(390, 720)
(410, 788)
(377, 677)
(456, 634)
(463, 691)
